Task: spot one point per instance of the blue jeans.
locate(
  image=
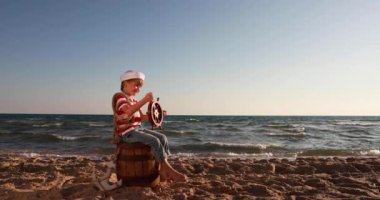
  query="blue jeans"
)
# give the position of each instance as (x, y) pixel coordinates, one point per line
(157, 141)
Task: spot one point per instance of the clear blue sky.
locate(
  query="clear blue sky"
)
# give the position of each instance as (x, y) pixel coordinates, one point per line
(200, 57)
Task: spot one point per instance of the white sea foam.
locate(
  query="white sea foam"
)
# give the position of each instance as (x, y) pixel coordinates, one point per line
(222, 155)
(181, 155)
(175, 132)
(167, 121)
(30, 155)
(373, 152)
(68, 138)
(248, 155)
(301, 133)
(192, 120)
(232, 144)
(48, 125)
(61, 137)
(358, 123)
(5, 131)
(260, 146)
(94, 123)
(97, 125)
(40, 125)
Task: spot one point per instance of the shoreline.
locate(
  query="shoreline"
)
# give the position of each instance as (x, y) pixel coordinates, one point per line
(314, 177)
(230, 155)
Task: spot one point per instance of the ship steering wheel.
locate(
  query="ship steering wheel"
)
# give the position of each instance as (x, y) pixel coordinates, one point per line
(155, 114)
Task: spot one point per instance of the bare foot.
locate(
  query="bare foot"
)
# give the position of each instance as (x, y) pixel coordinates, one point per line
(168, 173)
(173, 176)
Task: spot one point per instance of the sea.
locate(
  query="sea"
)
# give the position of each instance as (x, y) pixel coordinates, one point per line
(197, 136)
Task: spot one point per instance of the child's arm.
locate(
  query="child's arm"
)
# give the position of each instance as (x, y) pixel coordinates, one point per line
(144, 118)
(129, 110)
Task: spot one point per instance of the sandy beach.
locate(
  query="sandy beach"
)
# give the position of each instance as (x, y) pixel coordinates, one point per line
(42, 177)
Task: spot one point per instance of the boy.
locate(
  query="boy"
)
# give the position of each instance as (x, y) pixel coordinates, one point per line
(128, 117)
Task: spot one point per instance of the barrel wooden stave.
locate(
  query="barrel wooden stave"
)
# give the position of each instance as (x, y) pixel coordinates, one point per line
(136, 165)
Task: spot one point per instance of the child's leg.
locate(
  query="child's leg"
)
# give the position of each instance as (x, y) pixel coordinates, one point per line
(150, 140)
(161, 137)
(167, 172)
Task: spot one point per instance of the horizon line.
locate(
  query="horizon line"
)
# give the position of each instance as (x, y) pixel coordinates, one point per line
(244, 115)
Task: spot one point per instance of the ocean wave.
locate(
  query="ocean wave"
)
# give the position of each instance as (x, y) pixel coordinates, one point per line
(48, 124)
(167, 121)
(290, 128)
(181, 155)
(221, 144)
(227, 147)
(179, 133)
(233, 129)
(357, 123)
(320, 128)
(296, 132)
(40, 125)
(284, 134)
(326, 152)
(359, 131)
(374, 152)
(95, 124)
(339, 152)
(70, 138)
(193, 120)
(221, 155)
(357, 134)
(98, 125)
(227, 127)
(242, 155)
(280, 126)
(30, 155)
(22, 122)
(219, 125)
(5, 132)
(34, 118)
(54, 137)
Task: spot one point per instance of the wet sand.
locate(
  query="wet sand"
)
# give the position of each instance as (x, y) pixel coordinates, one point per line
(43, 177)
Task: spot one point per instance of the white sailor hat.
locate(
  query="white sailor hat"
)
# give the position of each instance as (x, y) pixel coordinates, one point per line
(130, 74)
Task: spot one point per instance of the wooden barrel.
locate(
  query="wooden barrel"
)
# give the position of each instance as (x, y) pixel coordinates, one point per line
(136, 165)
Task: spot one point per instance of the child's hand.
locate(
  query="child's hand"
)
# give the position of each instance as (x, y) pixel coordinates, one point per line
(148, 97)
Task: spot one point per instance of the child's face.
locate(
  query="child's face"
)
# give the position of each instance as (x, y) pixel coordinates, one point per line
(132, 87)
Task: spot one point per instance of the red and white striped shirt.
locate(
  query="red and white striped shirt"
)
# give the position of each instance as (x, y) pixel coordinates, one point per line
(123, 122)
